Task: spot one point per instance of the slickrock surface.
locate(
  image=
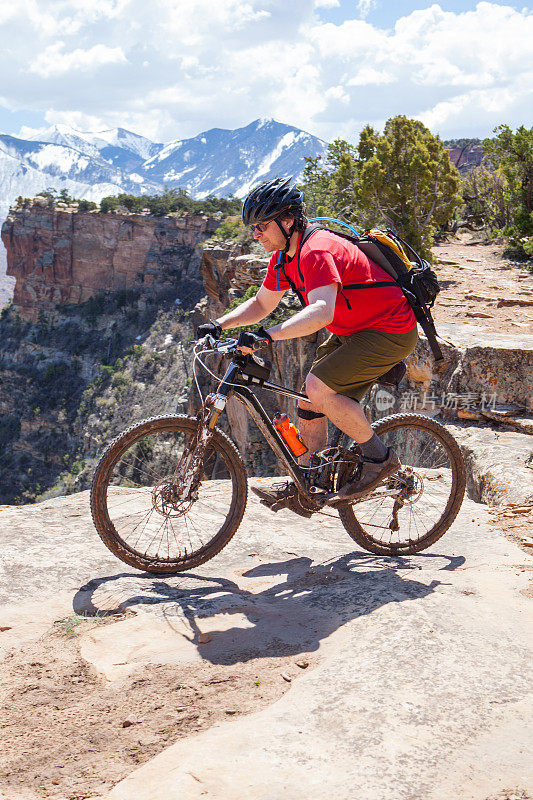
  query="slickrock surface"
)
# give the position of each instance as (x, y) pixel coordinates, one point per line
(60, 256)
(417, 683)
(482, 289)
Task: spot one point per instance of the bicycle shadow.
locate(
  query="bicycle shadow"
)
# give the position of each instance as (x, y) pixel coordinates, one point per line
(291, 616)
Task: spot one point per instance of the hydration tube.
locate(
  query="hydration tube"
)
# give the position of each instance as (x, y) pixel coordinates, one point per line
(277, 268)
(338, 221)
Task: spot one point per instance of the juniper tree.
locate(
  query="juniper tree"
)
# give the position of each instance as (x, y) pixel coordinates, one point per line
(407, 181)
(511, 154)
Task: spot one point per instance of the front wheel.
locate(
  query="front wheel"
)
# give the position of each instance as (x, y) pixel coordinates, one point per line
(416, 505)
(143, 514)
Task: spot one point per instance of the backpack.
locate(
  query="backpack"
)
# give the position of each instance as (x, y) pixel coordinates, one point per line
(407, 269)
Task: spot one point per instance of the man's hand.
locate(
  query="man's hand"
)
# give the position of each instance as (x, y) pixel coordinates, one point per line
(211, 328)
(249, 341)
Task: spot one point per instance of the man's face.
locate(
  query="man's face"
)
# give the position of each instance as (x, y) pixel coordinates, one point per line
(269, 234)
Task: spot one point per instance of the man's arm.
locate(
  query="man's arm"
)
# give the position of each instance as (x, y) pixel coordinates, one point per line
(315, 316)
(253, 310)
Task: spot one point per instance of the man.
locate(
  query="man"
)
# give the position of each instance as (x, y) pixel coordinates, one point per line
(370, 330)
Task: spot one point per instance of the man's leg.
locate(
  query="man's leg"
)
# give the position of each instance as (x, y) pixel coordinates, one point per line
(314, 431)
(378, 460)
(344, 412)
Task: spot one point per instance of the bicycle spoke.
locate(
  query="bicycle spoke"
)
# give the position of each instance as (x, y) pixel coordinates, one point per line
(150, 512)
(424, 486)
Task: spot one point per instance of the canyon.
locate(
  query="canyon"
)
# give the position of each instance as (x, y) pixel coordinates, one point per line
(89, 290)
(105, 307)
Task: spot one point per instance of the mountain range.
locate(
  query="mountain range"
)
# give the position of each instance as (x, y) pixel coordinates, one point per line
(92, 165)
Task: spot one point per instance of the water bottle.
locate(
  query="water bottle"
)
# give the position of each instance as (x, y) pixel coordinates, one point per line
(290, 434)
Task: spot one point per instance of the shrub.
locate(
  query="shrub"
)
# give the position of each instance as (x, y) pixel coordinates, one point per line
(231, 228)
(108, 204)
(120, 380)
(86, 205)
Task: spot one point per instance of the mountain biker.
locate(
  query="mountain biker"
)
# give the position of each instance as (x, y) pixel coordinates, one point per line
(370, 331)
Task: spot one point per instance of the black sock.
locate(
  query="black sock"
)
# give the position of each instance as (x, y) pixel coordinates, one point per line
(374, 449)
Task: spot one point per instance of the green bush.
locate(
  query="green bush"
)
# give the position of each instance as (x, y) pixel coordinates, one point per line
(86, 205)
(108, 204)
(120, 380)
(231, 228)
(511, 154)
(171, 201)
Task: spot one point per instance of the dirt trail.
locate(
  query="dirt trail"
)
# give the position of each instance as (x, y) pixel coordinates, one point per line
(87, 733)
(481, 287)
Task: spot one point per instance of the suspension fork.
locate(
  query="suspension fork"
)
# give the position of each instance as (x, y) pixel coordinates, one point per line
(188, 471)
(216, 403)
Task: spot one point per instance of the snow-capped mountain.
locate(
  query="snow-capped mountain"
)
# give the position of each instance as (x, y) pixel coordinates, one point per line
(95, 164)
(224, 162)
(117, 146)
(28, 167)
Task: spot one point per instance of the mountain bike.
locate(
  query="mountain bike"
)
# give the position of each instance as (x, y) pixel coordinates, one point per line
(170, 492)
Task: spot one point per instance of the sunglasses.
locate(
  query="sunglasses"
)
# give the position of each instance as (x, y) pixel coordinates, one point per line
(260, 227)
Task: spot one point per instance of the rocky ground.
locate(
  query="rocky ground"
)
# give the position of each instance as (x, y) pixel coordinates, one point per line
(326, 669)
(481, 287)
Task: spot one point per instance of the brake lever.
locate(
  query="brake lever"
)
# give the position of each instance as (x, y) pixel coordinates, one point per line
(207, 340)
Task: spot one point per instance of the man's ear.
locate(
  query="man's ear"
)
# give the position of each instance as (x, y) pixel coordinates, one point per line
(287, 223)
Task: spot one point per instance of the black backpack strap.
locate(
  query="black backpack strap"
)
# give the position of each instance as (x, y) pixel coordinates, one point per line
(425, 320)
(283, 260)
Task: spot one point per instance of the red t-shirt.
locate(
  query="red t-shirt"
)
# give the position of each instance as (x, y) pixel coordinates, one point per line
(326, 259)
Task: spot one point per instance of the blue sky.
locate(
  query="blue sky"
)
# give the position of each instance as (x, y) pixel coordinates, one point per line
(384, 13)
(172, 68)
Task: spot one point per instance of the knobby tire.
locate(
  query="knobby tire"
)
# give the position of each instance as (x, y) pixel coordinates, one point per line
(107, 480)
(365, 536)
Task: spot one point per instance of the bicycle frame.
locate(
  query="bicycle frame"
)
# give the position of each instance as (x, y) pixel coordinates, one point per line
(227, 387)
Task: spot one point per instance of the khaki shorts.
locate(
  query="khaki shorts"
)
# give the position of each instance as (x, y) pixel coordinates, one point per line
(350, 365)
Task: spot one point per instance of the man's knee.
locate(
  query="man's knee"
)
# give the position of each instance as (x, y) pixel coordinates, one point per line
(317, 391)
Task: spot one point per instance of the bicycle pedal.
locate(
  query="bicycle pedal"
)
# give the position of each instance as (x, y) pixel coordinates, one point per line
(269, 505)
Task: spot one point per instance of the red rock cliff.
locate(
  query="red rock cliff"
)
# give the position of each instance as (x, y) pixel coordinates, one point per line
(64, 256)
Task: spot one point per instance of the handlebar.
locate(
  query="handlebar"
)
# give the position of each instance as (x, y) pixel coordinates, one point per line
(228, 346)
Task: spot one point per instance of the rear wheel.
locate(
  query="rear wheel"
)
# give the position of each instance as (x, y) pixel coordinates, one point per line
(416, 505)
(143, 514)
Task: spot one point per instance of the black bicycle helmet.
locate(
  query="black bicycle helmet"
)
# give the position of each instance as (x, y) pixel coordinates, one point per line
(268, 200)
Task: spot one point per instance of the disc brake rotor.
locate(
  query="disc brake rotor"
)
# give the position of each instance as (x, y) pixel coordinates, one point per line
(167, 500)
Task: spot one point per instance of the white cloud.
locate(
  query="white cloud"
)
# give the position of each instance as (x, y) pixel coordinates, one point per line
(366, 6)
(53, 61)
(171, 68)
(337, 93)
(367, 76)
